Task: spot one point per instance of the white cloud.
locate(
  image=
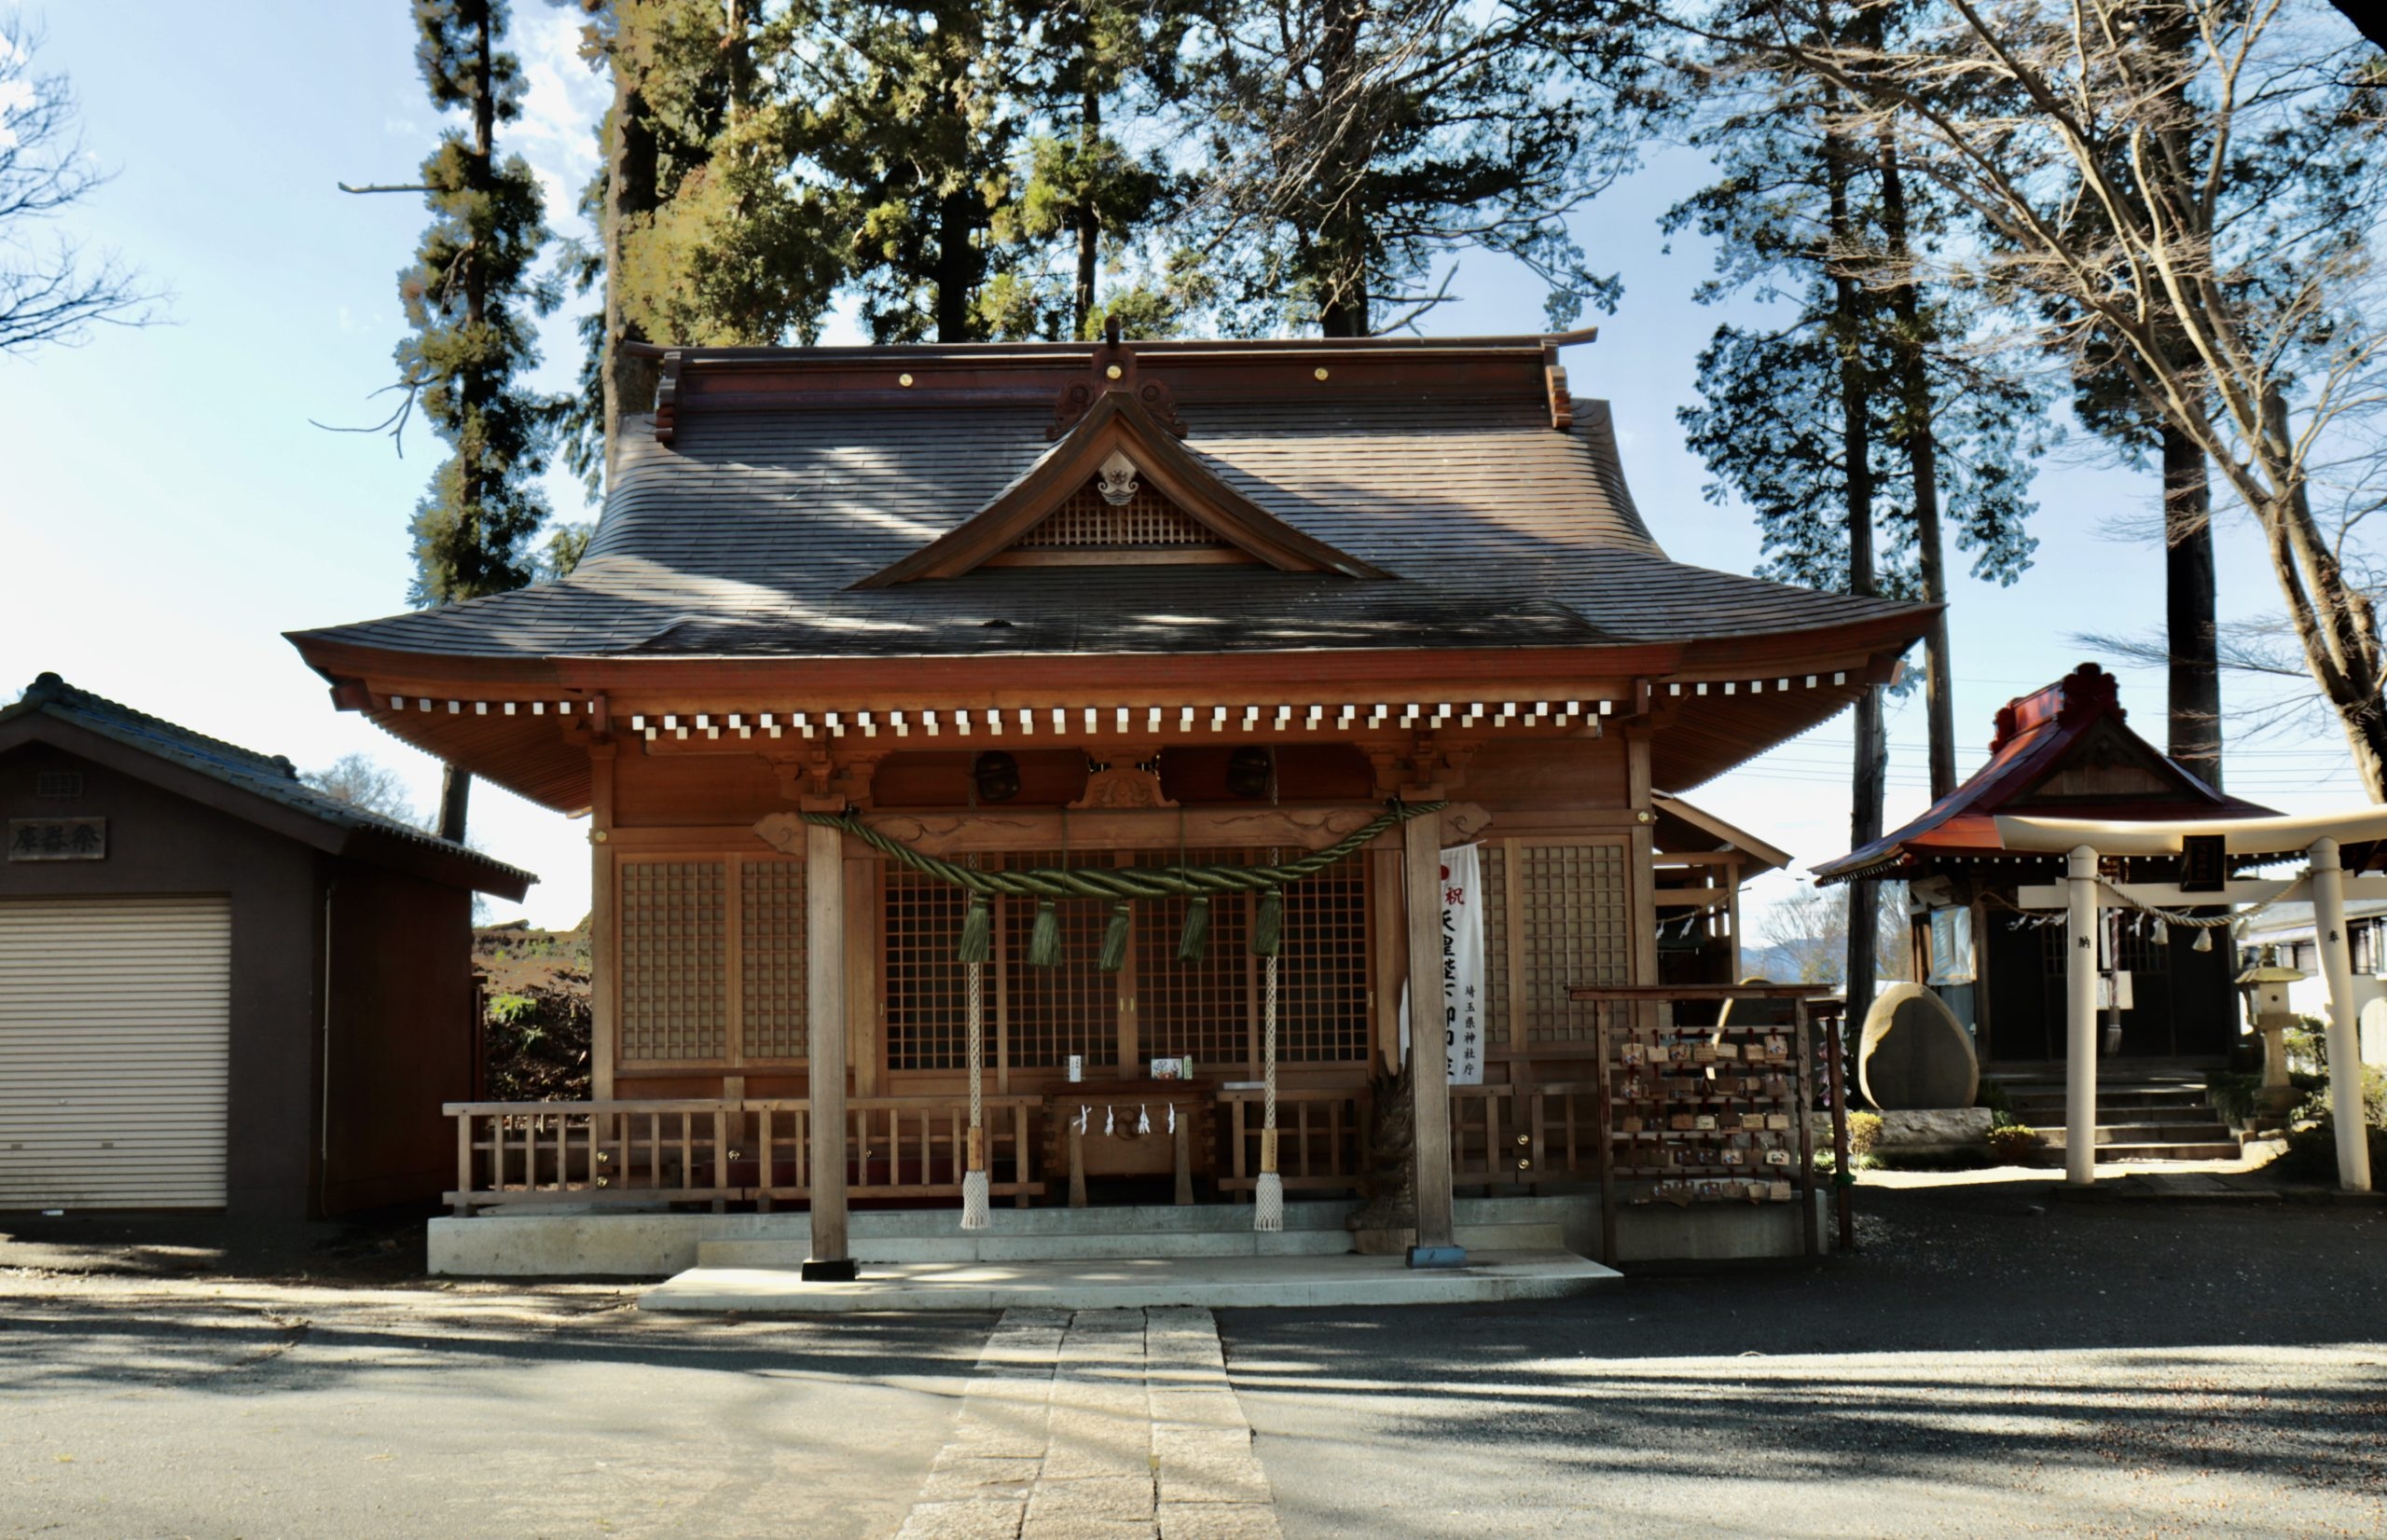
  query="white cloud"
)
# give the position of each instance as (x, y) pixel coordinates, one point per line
(558, 130)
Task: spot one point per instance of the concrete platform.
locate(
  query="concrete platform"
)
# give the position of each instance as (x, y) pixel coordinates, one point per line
(1215, 1281)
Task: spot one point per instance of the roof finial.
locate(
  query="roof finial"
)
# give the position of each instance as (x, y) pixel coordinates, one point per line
(1110, 329)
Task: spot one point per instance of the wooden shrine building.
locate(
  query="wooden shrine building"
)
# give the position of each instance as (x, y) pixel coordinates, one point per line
(1111, 606)
(2064, 751)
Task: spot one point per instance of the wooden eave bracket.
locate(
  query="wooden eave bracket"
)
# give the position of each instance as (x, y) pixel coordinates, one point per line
(1119, 421)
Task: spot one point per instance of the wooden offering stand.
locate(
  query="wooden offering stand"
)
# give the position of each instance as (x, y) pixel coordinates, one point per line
(1189, 1151)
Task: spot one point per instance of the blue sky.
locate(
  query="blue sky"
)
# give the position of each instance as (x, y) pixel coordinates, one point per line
(166, 510)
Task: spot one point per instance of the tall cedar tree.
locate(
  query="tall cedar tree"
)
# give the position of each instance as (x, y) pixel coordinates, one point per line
(901, 118)
(1354, 143)
(1853, 427)
(1087, 196)
(471, 296)
(2189, 187)
(2109, 405)
(702, 237)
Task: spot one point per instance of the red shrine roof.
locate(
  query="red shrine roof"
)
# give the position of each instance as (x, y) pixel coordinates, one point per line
(2063, 751)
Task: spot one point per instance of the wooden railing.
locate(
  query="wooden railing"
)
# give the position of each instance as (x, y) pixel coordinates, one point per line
(1531, 1135)
(1322, 1139)
(724, 1151)
(759, 1150)
(519, 1152)
(896, 1147)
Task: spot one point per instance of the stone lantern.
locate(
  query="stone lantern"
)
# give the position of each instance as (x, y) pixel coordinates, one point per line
(2268, 1012)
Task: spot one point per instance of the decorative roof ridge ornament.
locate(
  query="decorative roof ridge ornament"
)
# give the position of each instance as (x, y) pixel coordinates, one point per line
(1115, 479)
(1114, 372)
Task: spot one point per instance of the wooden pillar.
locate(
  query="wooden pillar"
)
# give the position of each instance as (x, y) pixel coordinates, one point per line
(2080, 1022)
(2345, 1045)
(825, 1019)
(1430, 1064)
(605, 951)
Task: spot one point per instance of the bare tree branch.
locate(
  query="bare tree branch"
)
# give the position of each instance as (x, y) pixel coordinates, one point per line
(53, 290)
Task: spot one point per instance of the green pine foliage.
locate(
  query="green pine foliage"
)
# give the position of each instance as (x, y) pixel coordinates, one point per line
(472, 296)
(1797, 216)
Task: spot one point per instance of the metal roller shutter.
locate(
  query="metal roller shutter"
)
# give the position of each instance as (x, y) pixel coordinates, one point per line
(115, 1034)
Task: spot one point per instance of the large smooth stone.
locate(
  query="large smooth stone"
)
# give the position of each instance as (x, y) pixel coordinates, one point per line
(1748, 1013)
(1916, 1053)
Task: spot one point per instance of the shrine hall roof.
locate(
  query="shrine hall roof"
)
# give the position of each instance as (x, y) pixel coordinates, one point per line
(2063, 751)
(1452, 494)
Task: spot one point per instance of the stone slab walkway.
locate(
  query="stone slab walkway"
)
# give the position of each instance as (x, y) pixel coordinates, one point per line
(1095, 1424)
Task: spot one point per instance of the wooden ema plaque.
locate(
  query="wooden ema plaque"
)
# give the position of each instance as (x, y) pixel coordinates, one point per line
(1707, 1114)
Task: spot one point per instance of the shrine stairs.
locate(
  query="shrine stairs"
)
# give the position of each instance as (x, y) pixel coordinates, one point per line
(2141, 1115)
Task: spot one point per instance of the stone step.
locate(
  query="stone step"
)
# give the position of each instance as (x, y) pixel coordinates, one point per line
(2116, 1095)
(1058, 1219)
(1141, 1282)
(2036, 1113)
(2202, 1131)
(2209, 1151)
(989, 1246)
(2116, 1112)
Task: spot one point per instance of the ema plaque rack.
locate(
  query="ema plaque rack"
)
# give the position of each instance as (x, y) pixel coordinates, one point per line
(1706, 1115)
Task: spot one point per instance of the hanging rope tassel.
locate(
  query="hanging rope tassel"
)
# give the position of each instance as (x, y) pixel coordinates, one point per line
(2204, 939)
(977, 931)
(1268, 1191)
(1268, 924)
(2162, 932)
(975, 1205)
(1045, 940)
(1114, 941)
(1195, 939)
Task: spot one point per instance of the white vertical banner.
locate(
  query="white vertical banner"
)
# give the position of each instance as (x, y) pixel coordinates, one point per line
(1463, 1024)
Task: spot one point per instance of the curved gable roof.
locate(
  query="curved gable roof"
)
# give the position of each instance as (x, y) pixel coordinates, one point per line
(794, 478)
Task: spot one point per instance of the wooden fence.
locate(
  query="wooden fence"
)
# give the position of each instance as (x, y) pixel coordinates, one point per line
(724, 1151)
(1535, 1137)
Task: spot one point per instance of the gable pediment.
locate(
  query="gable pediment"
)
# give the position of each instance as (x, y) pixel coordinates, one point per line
(1118, 489)
(2109, 762)
(1116, 518)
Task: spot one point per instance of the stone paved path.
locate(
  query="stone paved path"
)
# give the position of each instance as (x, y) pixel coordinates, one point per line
(1098, 1424)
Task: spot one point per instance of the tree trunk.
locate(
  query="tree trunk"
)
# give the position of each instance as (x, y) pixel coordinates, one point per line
(2194, 737)
(630, 380)
(1084, 324)
(455, 796)
(955, 266)
(1856, 402)
(1341, 239)
(1922, 445)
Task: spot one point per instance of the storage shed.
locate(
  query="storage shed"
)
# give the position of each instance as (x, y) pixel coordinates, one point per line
(219, 987)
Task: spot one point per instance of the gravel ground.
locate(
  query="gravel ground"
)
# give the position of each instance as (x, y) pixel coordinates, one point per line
(1989, 1363)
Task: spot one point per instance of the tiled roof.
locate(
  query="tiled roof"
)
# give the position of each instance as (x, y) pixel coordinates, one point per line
(2035, 735)
(744, 535)
(274, 778)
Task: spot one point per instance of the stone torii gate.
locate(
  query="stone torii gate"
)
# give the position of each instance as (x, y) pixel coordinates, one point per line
(2083, 892)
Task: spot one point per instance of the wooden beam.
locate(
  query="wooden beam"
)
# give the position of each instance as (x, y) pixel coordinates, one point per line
(824, 1018)
(1164, 831)
(1430, 1064)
